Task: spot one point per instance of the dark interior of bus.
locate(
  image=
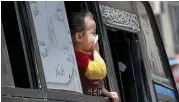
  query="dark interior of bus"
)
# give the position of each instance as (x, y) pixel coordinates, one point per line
(126, 50)
(14, 45)
(18, 38)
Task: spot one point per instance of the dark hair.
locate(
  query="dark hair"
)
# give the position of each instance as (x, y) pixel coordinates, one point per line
(77, 21)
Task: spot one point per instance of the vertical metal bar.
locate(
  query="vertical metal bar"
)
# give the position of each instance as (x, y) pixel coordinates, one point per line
(132, 66)
(122, 91)
(137, 70)
(34, 44)
(24, 44)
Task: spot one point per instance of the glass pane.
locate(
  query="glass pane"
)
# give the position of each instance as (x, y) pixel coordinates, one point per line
(55, 45)
(156, 66)
(168, 95)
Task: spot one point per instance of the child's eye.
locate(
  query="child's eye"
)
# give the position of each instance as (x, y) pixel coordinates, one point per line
(94, 33)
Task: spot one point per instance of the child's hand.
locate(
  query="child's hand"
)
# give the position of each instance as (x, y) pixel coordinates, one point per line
(114, 96)
(96, 54)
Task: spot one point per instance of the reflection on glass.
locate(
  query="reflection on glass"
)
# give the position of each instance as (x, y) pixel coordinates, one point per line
(150, 43)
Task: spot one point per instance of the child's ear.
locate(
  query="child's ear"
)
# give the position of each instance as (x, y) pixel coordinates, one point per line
(79, 36)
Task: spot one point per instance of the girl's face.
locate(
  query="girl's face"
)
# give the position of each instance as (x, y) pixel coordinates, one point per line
(89, 35)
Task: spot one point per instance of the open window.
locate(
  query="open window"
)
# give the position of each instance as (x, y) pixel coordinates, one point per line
(20, 58)
(80, 7)
(128, 64)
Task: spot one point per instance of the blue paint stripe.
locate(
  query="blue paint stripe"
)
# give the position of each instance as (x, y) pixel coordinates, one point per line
(173, 62)
(165, 91)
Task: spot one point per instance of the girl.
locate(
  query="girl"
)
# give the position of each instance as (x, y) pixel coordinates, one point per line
(92, 68)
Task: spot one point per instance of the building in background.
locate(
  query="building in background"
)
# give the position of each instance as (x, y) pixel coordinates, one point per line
(167, 14)
(174, 63)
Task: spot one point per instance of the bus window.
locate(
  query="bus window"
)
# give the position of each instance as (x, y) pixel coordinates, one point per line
(16, 50)
(159, 70)
(128, 64)
(153, 53)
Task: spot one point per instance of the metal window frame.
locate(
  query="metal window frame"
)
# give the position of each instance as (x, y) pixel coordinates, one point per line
(27, 18)
(23, 47)
(26, 47)
(49, 95)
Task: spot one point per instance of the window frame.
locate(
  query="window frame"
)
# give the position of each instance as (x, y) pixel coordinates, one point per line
(22, 43)
(28, 37)
(26, 45)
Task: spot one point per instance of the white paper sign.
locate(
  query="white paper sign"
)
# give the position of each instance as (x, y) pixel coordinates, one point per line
(55, 45)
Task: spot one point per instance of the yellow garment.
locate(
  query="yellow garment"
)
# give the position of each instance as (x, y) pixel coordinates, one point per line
(96, 68)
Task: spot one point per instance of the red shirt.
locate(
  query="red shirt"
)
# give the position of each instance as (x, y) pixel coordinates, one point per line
(83, 60)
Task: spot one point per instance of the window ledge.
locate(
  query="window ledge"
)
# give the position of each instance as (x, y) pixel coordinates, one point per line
(51, 95)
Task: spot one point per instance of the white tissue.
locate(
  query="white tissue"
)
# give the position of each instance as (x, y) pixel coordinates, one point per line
(96, 39)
